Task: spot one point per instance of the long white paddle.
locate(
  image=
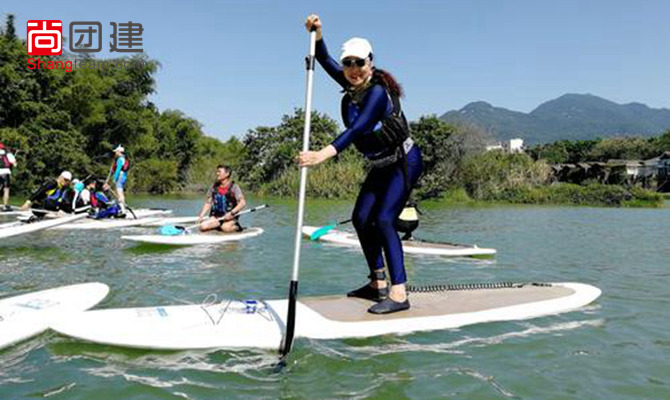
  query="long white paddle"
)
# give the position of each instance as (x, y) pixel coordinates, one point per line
(293, 287)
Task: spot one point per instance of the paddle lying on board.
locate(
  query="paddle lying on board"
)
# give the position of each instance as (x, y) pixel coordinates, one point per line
(51, 213)
(325, 229)
(19, 209)
(171, 230)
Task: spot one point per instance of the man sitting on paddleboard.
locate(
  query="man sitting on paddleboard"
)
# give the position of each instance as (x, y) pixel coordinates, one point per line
(51, 194)
(224, 200)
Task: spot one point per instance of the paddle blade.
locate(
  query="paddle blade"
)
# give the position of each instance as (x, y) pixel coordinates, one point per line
(322, 231)
(170, 230)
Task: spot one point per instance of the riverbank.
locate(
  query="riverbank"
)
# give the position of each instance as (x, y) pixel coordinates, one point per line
(564, 194)
(594, 195)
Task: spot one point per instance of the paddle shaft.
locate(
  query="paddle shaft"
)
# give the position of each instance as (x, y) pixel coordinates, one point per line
(111, 168)
(293, 287)
(262, 206)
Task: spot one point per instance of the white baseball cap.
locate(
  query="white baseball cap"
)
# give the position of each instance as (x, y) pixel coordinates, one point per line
(66, 175)
(119, 148)
(356, 47)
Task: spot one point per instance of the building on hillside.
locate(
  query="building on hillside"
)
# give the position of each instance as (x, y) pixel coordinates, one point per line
(511, 146)
(653, 173)
(497, 146)
(515, 146)
(663, 168)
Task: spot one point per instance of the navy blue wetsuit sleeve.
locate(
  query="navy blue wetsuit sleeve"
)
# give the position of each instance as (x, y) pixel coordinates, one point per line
(41, 193)
(373, 112)
(329, 64)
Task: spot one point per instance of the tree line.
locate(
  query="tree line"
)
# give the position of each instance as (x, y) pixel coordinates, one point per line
(72, 120)
(56, 120)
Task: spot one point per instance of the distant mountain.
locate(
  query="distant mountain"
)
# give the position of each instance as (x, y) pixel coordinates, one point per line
(569, 117)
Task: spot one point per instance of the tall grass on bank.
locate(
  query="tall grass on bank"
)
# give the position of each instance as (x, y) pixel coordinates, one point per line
(565, 194)
(334, 180)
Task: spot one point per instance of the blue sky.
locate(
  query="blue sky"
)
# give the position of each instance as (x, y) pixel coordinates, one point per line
(235, 65)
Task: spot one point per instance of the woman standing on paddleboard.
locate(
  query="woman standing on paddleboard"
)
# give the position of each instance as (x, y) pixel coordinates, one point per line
(377, 127)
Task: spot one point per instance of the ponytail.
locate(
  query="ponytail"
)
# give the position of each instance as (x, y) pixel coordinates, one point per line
(388, 81)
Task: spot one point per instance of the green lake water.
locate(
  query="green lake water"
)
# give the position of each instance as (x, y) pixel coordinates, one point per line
(616, 348)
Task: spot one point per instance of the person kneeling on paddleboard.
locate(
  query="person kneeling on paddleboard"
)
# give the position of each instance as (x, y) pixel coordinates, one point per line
(51, 194)
(73, 198)
(86, 193)
(224, 200)
(102, 205)
(377, 127)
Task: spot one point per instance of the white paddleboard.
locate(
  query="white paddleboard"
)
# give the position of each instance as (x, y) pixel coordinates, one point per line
(27, 315)
(148, 212)
(19, 228)
(12, 213)
(171, 221)
(144, 215)
(190, 239)
(139, 213)
(107, 223)
(237, 324)
(409, 246)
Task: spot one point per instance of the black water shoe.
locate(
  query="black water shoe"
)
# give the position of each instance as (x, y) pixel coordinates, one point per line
(369, 293)
(389, 306)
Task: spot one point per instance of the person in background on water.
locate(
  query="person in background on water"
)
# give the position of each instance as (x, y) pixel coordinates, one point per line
(7, 162)
(51, 194)
(377, 127)
(86, 190)
(76, 197)
(121, 166)
(101, 204)
(224, 200)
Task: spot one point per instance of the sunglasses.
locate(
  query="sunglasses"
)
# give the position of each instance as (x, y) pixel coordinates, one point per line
(350, 62)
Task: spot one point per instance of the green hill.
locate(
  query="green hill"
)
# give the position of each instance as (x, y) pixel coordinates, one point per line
(569, 117)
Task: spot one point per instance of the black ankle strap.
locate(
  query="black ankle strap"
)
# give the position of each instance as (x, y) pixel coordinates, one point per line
(379, 275)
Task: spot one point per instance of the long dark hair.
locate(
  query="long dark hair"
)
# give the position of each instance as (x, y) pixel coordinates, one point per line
(388, 81)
